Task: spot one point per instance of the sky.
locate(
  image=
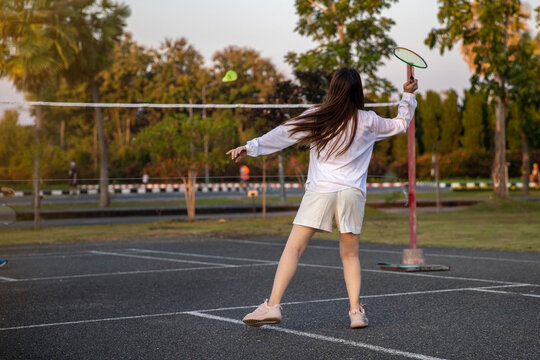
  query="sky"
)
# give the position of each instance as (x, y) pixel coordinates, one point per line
(268, 26)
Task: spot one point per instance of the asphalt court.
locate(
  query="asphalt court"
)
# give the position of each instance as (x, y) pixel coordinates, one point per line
(184, 298)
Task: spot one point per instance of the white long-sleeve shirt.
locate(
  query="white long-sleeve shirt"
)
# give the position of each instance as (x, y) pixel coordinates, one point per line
(348, 170)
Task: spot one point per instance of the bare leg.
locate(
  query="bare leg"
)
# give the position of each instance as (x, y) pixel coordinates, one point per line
(348, 250)
(296, 244)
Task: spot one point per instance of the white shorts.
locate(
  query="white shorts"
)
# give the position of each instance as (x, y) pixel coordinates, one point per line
(317, 210)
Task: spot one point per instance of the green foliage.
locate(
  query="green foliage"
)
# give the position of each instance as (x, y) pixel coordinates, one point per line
(450, 123)
(430, 114)
(100, 24)
(157, 140)
(16, 147)
(484, 25)
(348, 33)
(474, 114)
(37, 41)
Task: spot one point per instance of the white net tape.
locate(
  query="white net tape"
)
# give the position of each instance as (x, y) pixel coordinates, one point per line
(175, 106)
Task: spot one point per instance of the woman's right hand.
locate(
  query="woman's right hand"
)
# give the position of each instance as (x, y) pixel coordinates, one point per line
(410, 87)
(7, 191)
(238, 153)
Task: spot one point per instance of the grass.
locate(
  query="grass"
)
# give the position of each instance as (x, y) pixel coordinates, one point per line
(273, 199)
(496, 224)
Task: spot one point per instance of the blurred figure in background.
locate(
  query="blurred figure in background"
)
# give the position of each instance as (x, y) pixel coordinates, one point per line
(244, 177)
(145, 178)
(73, 178)
(534, 177)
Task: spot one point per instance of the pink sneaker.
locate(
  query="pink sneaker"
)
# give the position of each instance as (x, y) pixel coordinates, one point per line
(264, 314)
(358, 318)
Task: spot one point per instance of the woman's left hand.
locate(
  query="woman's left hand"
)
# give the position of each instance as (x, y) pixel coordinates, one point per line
(238, 153)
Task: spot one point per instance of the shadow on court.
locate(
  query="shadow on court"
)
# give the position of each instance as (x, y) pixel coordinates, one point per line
(185, 298)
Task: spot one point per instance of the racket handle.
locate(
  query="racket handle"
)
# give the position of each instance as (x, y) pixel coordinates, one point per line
(411, 79)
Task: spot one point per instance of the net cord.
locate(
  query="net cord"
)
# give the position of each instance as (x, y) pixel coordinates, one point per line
(176, 106)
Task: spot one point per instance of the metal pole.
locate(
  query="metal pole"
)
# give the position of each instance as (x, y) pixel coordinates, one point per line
(412, 174)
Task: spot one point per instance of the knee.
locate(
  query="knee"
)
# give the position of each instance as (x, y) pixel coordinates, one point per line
(297, 250)
(347, 254)
(348, 251)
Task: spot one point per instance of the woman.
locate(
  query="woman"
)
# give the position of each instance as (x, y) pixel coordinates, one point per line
(340, 135)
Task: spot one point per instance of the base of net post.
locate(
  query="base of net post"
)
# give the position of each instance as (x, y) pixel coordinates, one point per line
(413, 257)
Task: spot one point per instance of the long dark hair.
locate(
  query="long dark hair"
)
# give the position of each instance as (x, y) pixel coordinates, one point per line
(345, 97)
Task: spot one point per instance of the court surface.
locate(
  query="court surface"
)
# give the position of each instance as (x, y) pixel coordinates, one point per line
(184, 298)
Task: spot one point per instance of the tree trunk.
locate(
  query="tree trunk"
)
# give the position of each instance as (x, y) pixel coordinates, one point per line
(191, 146)
(525, 162)
(36, 199)
(103, 168)
(499, 162)
(192, 175)
(206, 166)
(281, 173)
(499, 172)
(435, 161)
(128, 130)
(118, 126)
(62, 133)
(96, 147)
(189, 193)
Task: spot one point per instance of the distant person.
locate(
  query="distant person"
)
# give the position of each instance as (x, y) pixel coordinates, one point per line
(244, 177)
(6, 192)
(340, 135)
(145, 178)
(534, 177)
(73, 178)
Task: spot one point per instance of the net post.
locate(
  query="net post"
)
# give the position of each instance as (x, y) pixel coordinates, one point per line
(413, 255)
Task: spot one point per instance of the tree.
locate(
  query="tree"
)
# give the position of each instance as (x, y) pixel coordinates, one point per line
(474, 118)
(450, 124)
(100, 26)
(525, 95)
(264, 120)
(255, 84)
(348, 33)
(126, 80)
(37, 43)
(16, 147)
(178, 78)
(486, 25)
(430, 115)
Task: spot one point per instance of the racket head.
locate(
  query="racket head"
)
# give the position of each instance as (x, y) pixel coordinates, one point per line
(7, 215)
(409, 57)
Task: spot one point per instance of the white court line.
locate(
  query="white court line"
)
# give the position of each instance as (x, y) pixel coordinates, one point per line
(245, 307)
(136, 272)
(270, 263)
(158, 258)
(198, 255)
(385, 272)
(366, 297)
(7, 278)
(376, 271)
(422, 275)
(386, 251)
(505, 292)
(89, 321)
(323, 338)
(51, 254)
